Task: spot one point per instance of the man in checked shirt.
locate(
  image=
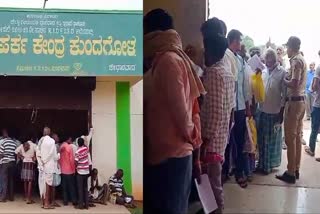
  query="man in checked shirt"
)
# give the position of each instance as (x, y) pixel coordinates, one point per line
(216, 111)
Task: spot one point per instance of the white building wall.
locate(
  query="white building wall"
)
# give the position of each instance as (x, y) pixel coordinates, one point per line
(104, 141)
(136, 103)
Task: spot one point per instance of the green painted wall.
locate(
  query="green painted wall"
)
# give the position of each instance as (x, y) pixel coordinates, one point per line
(123, 132)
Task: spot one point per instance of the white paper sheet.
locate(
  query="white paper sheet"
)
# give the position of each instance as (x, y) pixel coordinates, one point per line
(206, 195)
(255, 62)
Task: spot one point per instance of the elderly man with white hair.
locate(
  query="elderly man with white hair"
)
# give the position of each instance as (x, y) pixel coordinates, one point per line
(281, 54)
(270, 114)
(47, 156)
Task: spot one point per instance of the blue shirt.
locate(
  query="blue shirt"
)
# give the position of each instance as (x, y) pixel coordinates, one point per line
(310, 75)
(242, 85)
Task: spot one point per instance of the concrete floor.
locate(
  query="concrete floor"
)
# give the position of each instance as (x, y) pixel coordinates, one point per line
(268, 195)
(19, 206)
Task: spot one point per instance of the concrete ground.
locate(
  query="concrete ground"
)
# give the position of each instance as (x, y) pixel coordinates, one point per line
(268, 195)
(19, 206)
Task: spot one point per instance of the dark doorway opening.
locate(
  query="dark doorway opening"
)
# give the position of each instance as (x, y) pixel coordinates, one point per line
(27, 123)
(28, 104)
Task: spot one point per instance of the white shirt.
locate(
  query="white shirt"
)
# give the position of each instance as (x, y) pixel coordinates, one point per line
(27, 155)
(74, 149)
(274, 90)
(316, 102)
(57, 165)
(87, 140)
(198, 70)
(231, 63)
(95, 193)
(49, 155)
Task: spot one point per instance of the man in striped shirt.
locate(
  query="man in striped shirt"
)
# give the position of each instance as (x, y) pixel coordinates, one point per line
(83, 163)
(8, 160)
(1, 176)
(118, 193)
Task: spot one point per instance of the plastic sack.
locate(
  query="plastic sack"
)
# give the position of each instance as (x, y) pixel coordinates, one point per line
(251, 136)
(258, 87)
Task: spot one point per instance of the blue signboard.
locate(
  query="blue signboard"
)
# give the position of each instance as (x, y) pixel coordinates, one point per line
(70, 43)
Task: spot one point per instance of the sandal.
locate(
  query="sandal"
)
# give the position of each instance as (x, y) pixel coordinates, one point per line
(48, 208)
(308, 151)
(318, 159)
(242, 182)
(31, 202)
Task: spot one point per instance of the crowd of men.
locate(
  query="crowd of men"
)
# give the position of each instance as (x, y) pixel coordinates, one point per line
(196, 104)
(51, 163)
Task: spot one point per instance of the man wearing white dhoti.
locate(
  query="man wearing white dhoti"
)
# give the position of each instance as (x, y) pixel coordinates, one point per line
(48, 157)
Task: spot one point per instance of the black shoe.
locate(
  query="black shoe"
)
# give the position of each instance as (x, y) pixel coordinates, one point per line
(291, 179)
(297, 175)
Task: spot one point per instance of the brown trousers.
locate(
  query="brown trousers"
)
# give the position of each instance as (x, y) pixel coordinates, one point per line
(214, 174)
(293, 125)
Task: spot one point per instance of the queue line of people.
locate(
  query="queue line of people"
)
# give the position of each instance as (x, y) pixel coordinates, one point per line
(67, 164)
(224, 101)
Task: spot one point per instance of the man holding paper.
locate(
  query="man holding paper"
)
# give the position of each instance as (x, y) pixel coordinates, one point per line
(216, 111)
(270, 114)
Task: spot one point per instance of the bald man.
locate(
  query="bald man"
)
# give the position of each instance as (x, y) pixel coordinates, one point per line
(48, 158)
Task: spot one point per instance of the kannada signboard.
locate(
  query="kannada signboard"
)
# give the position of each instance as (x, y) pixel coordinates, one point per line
(70, 43)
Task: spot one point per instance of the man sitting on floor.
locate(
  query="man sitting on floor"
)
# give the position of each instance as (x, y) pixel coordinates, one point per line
(97, 193)
(117, 191)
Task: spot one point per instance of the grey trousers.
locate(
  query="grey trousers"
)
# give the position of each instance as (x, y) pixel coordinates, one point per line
(309, 103)
(214, 174)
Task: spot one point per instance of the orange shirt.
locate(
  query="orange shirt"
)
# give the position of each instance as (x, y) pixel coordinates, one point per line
(66, 161)
(168, 110)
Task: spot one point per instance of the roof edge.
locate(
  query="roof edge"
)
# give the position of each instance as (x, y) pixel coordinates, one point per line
(52, 10)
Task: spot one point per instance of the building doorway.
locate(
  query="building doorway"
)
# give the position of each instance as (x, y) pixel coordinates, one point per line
(25, 124)
(28, 104)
